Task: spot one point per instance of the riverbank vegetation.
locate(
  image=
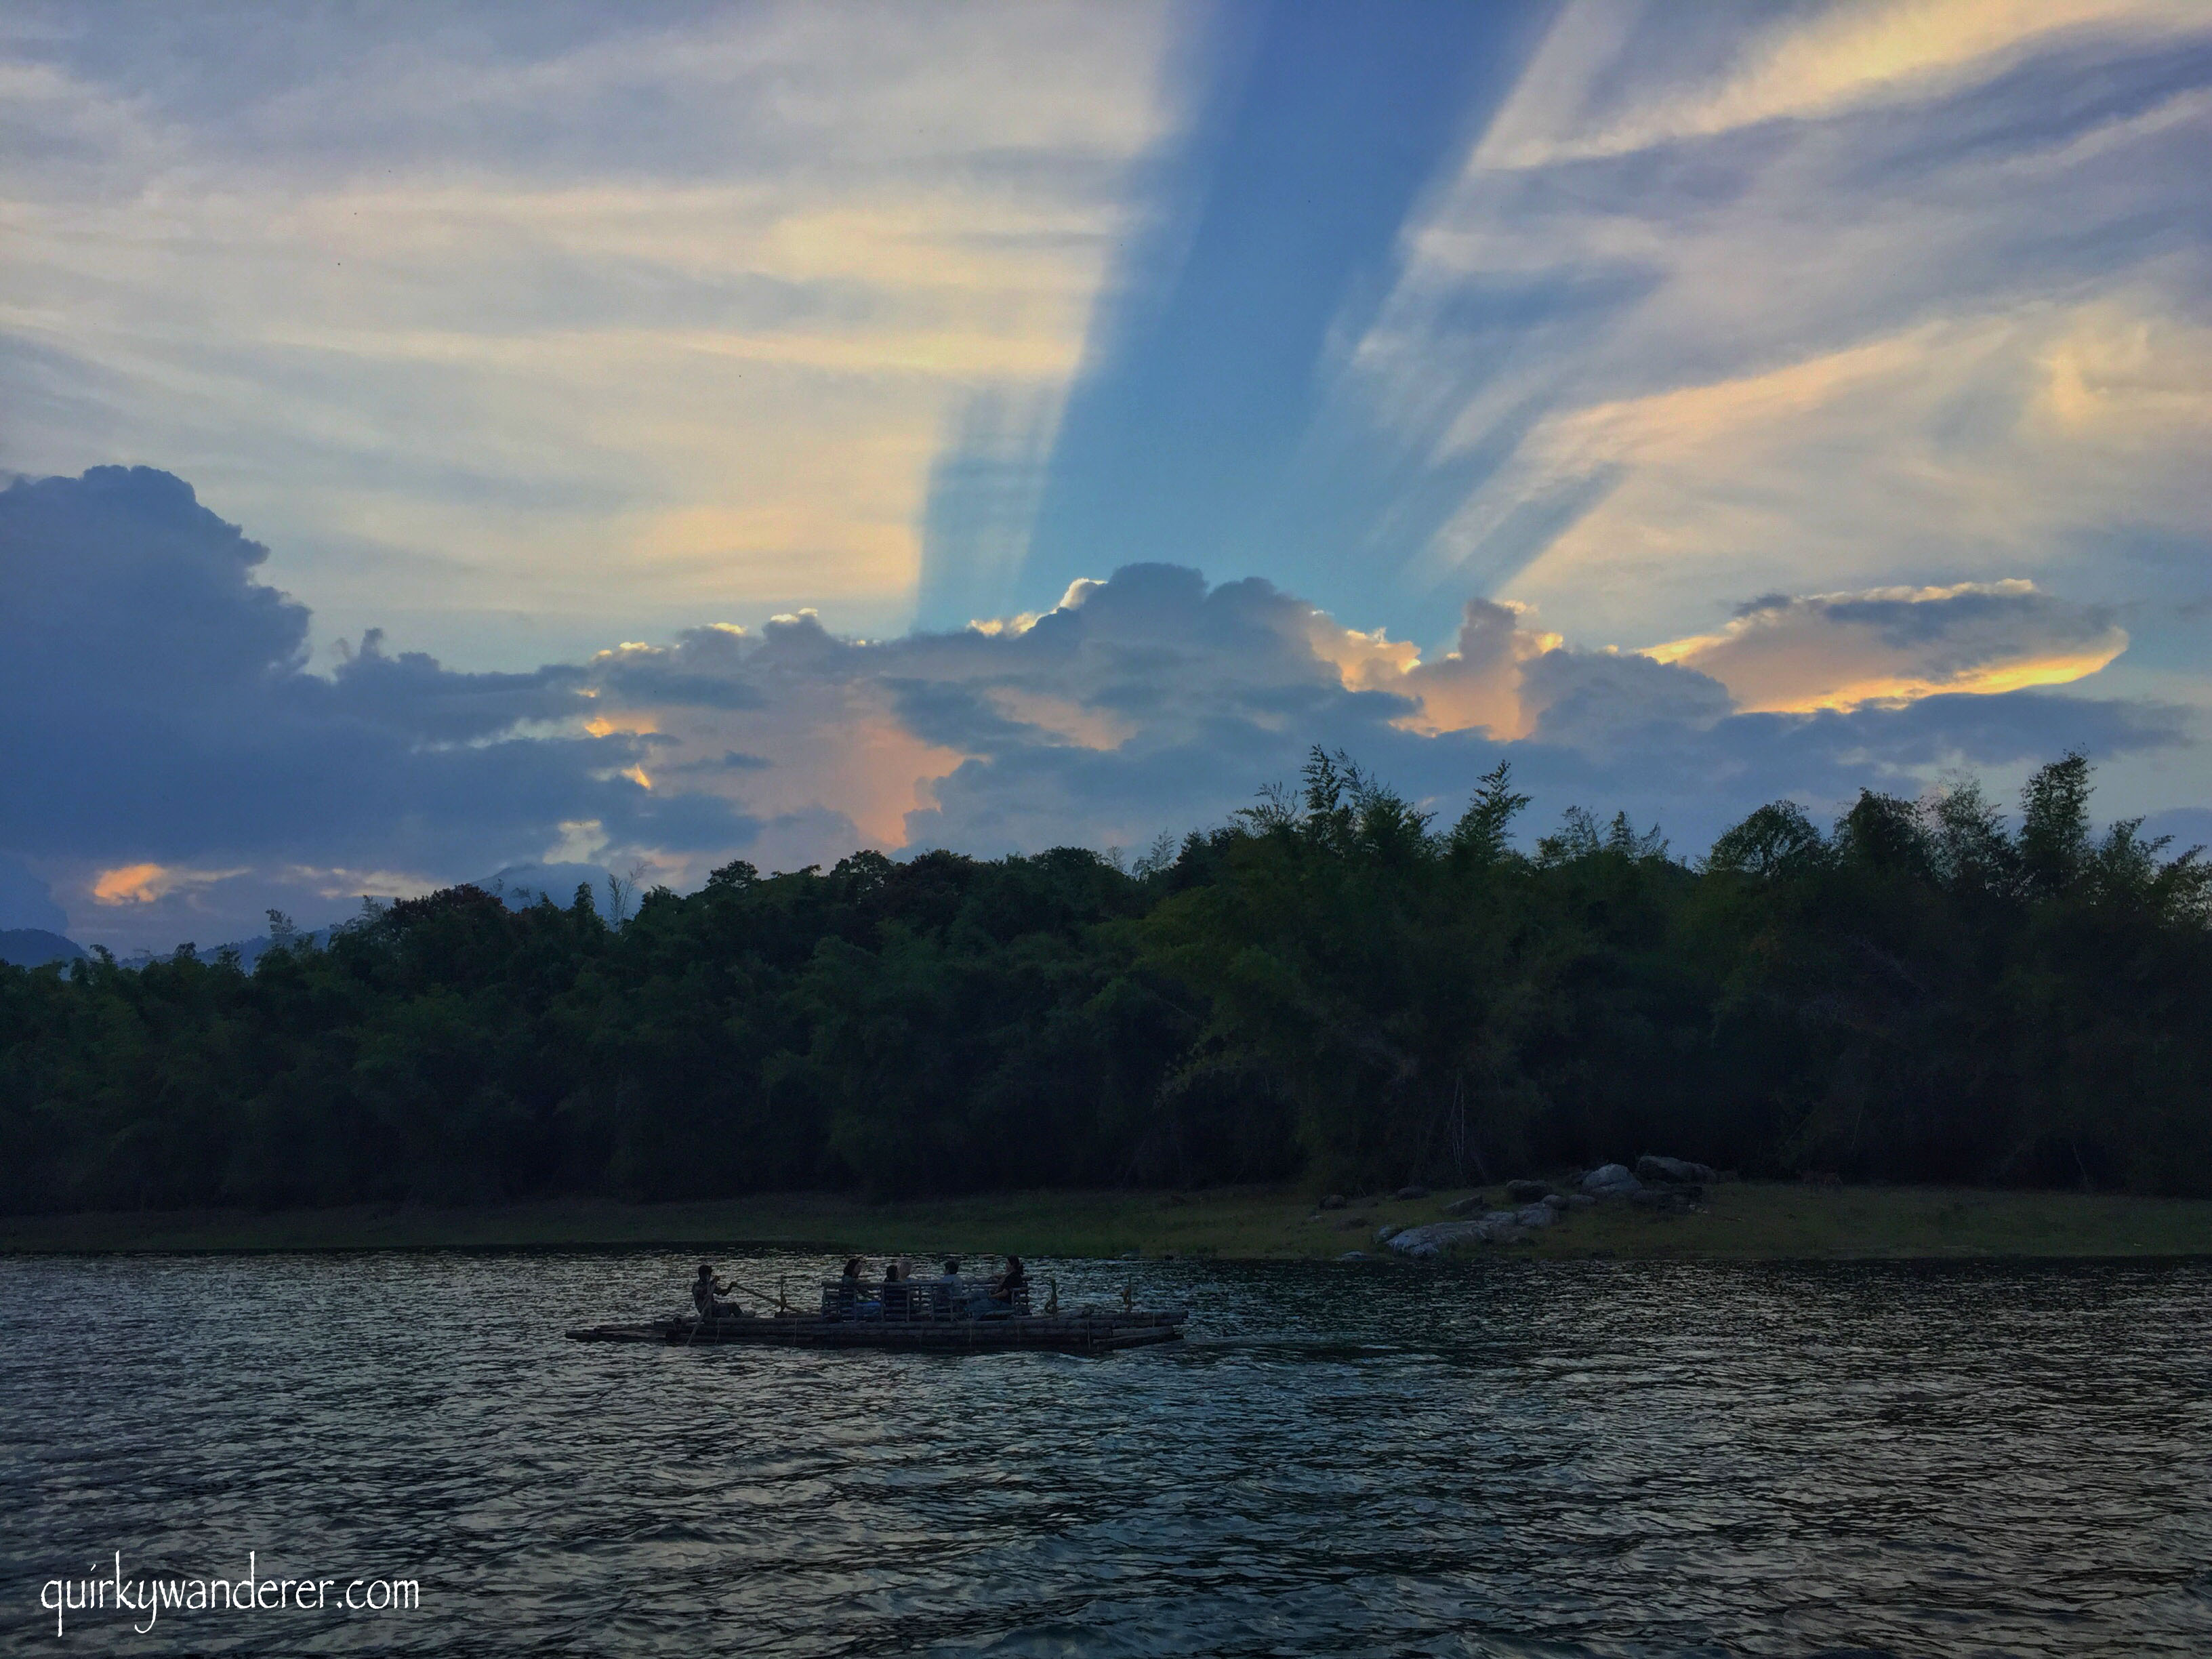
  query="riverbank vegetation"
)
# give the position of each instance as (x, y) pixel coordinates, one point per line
(1748, 1220)
(1337, 990)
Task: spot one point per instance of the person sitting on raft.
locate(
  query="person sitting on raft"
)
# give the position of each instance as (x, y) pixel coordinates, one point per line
(951, 1293)
(897, 1298)
(705, 1289)
(853, 1299)
(1008, 1284)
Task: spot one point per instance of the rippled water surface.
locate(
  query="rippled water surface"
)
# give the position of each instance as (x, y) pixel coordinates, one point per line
(1502, 1458)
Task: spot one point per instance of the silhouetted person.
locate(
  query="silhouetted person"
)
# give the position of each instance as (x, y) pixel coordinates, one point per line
(705, 1289)
(948, 1292)
(898, 1298)
(1010, 1283)
(846, 1300)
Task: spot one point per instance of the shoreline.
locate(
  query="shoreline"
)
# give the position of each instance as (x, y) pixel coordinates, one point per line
(1739, 1221)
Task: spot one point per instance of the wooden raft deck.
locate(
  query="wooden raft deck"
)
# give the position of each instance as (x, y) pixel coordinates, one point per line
(1061, 1334)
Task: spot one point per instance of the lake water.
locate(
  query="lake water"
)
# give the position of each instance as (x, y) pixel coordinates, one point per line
(1498, 1458)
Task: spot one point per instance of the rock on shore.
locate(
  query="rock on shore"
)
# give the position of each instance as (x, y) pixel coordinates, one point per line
(1498, 1227)
(1674, 1171)
(1611, 1180)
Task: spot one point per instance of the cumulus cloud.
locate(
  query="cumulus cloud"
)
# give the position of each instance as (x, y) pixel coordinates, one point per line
(1478, 682)
(186, 768)
(1837, 650)
(1151, 701)
(1602, 701)
(167, 737)
(1122, 672)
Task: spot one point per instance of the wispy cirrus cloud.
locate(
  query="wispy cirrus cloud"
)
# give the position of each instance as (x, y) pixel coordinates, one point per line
(1800, 66)
(493, 322)
(1814, 305)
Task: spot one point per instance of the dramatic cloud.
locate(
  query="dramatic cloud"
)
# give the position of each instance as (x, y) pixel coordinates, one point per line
(1798, 68)
(500, 323)
(1837, 650)
(167, 737)
(1152, 702)
(1494, 362)
(195, 770)
(1863, 296)
(1478, 682)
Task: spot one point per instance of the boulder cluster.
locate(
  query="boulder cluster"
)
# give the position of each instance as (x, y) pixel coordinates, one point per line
(1655, 1182)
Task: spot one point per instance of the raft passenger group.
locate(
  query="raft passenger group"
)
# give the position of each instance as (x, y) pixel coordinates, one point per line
(977, 1299)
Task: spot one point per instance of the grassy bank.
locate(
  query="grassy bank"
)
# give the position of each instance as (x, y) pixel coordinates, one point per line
(1750, 1220)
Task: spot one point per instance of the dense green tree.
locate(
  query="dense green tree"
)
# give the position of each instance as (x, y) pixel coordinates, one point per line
(1333, 984)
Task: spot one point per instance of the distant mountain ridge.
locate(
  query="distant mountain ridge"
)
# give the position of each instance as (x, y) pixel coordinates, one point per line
(34, 947)
(520, 885)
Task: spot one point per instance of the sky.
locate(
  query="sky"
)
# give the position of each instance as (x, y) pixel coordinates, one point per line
(439, 441)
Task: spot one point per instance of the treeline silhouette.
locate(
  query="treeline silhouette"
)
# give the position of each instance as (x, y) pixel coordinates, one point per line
(1332, 988)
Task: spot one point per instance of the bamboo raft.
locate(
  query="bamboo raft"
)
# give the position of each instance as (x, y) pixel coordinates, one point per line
(921, 1316)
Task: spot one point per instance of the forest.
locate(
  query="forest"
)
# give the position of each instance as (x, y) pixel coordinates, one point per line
(1334, 987)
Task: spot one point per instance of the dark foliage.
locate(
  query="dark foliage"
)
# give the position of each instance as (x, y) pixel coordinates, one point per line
(1333, 985)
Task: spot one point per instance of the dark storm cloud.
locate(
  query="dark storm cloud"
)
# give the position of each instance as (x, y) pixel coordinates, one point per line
(1603, 702)
(25, 901)
(162, 710)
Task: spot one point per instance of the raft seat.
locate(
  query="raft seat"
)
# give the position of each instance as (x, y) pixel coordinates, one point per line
(909, 1301)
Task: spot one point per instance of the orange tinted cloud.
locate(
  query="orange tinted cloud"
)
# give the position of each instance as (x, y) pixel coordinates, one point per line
(144, 884)
(1063, 718)
(1840, 650)
(1840, 58)
(1478, 683)
(830, 743)
(131, 884)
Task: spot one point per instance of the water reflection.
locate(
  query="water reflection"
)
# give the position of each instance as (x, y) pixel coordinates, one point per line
(1603, 1458)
